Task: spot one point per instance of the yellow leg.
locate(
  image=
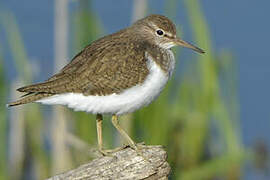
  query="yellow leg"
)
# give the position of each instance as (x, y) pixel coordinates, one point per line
(115, 122)
(131, 143)
(99, 131)
(99, 120)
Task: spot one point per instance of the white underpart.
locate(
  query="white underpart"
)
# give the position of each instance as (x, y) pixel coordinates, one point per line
(125, 102)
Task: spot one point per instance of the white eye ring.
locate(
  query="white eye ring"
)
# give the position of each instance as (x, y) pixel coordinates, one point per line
(160, 32)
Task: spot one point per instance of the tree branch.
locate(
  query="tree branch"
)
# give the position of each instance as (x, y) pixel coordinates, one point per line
(123, 165)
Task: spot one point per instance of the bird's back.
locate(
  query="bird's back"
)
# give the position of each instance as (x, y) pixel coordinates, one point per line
(104, 67)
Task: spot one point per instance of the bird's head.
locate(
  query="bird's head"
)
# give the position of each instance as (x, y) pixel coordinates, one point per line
(161, 31)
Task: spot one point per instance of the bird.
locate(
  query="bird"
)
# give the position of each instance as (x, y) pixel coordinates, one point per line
(114, 75)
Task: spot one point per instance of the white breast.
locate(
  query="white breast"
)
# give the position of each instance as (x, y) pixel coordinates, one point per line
(126, 102)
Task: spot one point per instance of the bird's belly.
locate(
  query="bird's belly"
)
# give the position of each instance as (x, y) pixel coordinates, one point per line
(128, 101)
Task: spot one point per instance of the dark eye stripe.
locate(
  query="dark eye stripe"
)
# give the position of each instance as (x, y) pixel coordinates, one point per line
(170, 37)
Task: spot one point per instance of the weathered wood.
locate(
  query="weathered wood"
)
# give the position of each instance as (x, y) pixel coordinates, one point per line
(123, 165)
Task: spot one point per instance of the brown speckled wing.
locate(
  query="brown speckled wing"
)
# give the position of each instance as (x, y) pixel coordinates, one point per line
(109, 65)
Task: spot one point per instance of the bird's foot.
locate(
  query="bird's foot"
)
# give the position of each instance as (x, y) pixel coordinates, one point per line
(138, 147)
(109, 152)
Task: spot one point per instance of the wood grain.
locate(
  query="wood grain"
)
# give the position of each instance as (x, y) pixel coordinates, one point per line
(123, 165)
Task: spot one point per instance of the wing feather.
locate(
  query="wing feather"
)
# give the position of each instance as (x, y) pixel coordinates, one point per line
(102, 68)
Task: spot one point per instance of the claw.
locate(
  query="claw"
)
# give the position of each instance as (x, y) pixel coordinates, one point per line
(109, 152)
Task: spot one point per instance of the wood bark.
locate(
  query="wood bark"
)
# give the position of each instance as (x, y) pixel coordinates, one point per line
(125, 164)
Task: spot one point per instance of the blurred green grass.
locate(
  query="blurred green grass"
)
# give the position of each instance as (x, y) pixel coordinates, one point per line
(3, 120)
(193, 118)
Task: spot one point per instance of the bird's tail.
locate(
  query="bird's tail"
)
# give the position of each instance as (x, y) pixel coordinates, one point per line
(28, 98)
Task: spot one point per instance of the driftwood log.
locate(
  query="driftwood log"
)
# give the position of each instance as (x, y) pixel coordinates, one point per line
(125, 164)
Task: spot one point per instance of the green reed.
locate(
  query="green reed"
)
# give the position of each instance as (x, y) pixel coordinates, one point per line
(3, 120)
(31, 114)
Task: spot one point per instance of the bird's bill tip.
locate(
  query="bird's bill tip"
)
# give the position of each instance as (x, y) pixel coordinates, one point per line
(183, 43)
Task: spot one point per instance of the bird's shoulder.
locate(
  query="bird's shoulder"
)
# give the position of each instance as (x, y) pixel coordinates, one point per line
(113, 49)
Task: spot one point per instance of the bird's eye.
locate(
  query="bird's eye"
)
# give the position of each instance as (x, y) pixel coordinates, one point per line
(160, 32)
